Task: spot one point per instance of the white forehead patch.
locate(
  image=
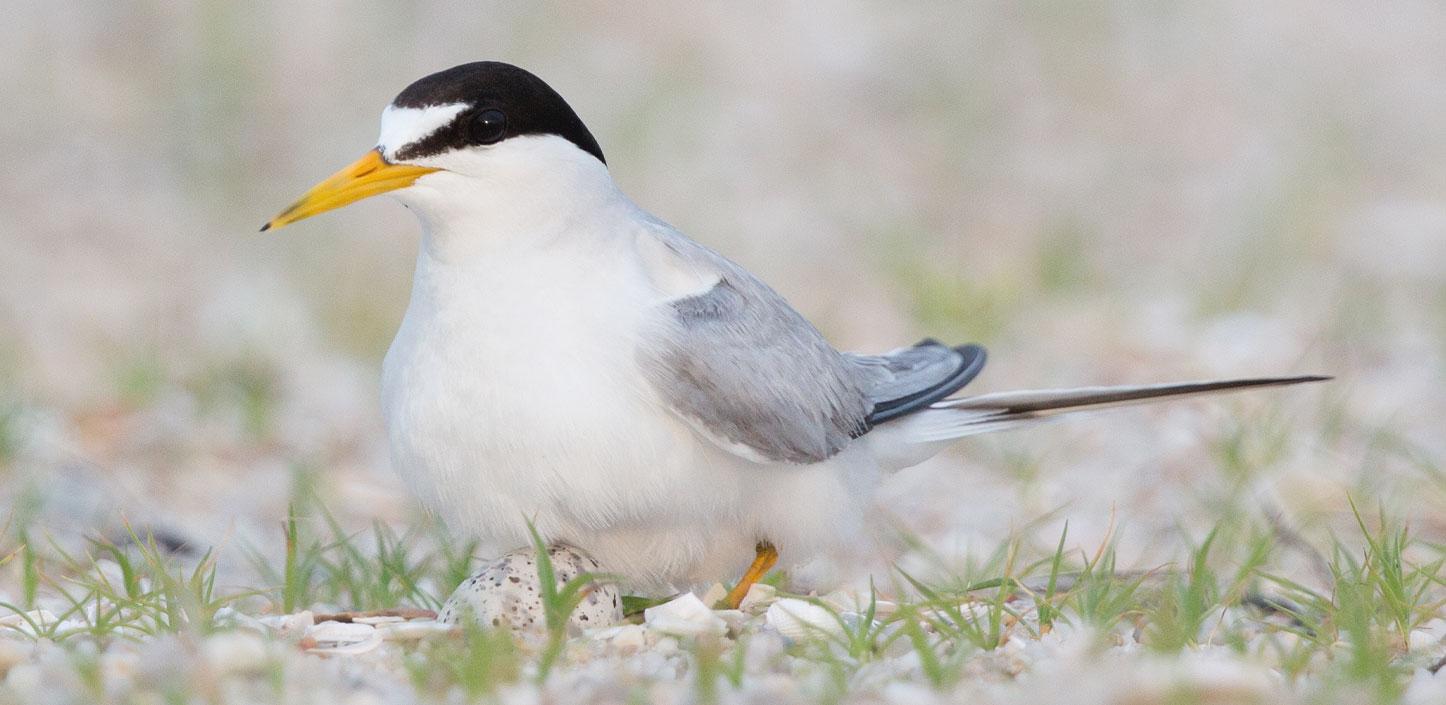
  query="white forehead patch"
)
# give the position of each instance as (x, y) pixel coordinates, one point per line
(403, 126)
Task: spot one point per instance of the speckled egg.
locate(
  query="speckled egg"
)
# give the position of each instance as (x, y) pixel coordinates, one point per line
(505, 593)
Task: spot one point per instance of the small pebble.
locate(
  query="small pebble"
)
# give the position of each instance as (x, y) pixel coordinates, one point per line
(630, 638)
(903, 693)
(235, 652)
(666, 646)
(26, 679)
(1420, 640)
(715, 594)
(759, 597)
(1426, 687)
(119, 666)
(12, 653)
(737, 620)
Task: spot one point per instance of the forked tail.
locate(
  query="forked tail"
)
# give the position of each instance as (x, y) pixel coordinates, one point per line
(966, 416)
(911, 439)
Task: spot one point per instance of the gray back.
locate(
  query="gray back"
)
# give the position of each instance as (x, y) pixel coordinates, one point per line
(746, 368)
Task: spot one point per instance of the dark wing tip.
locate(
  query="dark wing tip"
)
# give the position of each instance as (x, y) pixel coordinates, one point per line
(971, 351)
(972, 359)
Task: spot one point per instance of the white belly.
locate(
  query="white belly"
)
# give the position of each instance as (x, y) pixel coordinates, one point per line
(512, 394)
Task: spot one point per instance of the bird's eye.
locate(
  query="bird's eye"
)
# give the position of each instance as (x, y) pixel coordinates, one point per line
(489, 126)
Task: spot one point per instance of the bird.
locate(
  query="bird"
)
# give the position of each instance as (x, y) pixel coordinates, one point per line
(571, 363)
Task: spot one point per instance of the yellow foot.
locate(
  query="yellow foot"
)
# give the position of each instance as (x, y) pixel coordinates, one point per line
(762, 563)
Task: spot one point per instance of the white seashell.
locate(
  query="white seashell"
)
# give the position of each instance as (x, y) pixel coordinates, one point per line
(685, 615)
(801, 619)
(230, 617)
(606, 633)
(856, 601)
(971, 612)
(759, 597)
(359, 647)
(340, 632)
(343, 638)
(374, 621)
(71, 626)
(415, 630)
(505, 593)
(23, 620)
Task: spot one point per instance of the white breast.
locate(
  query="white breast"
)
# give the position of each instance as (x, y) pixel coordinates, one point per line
(512, 393)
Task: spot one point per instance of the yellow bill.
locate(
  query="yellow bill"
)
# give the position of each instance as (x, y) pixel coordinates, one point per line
(363, 178)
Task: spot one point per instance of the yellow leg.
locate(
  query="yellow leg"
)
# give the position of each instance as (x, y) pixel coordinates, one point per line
(765, 560)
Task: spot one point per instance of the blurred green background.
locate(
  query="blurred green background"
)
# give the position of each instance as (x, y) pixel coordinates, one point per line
(1109, 192)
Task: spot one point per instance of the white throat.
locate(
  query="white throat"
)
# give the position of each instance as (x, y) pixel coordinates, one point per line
(527, 191)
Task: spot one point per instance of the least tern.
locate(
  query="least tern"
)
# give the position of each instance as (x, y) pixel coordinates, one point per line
(571, 360)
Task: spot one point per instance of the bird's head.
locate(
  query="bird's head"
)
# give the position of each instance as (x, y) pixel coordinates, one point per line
(484, 131)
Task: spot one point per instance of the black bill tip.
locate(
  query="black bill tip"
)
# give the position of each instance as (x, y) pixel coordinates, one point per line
(265, 227)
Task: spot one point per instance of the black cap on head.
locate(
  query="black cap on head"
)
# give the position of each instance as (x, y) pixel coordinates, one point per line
(504, 101)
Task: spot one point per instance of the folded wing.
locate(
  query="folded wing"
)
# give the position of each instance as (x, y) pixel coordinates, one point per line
(909, 379)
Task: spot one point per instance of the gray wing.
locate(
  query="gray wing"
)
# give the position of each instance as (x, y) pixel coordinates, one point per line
(748, 371)
(745, 369)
